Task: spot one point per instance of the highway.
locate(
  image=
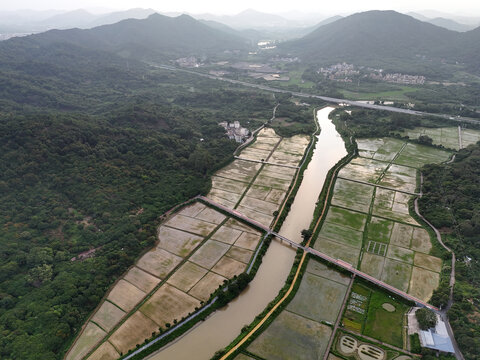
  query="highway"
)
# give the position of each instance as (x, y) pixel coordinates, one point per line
(340, 263)
(333, 100)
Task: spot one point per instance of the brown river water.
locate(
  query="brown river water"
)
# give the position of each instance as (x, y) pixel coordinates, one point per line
(223, 326)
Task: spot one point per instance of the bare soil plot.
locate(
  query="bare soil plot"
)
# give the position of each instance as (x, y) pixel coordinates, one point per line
(428, 262)
(396, 273)
(248, 241)
(277, 174)
(366, 154)
(276, 196)
(294, 145)
(258, 216)
(91, 335)
(106, 351)
(239, 254)
(272, 182)
(401, 235)
(370, 144)
(192, 210)
(372, 265)
(416, 155)
(107, 316)
(209, 253)
(352, 195)
(211, 216)
(279, 170)
(470, 136)
(283, 158)
(421, 241)
(167, 304)
(223, 197)
(229, 185)
(347, 218)
(133, 331)
(228, 267)
(318, 298)
(400, 178)
(268, 133)
(292, 337)
(158, 262)
(317, 268)
(338, 250)
(423, 282)
(187, 276)
(235, 224)
(255, 154)
(176, 241)
(226, 235)
(258, 192)
(264, 143)
(141, 279)
(206, 286)
(239, 170)
(192, 225)
(363, 169)
(125, 295)
(379, 229)
(400, 254)
(262, 206)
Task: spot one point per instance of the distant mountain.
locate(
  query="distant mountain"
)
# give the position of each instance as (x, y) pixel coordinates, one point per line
(371, 37)
(329, 20)
(72, 19)
(250, 19)
(450, 24)
(156, 38)
(114, 17)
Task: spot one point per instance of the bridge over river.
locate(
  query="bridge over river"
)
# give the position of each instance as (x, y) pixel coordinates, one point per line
(337, 262)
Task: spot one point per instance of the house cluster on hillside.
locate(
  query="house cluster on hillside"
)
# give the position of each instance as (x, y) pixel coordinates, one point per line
(340, 72)
(400, 78)
(235, 131)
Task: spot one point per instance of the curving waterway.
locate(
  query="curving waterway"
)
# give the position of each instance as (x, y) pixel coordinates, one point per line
(224, 325)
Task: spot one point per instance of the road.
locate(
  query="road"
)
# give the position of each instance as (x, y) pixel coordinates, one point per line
(443, 312)
(324, 98)
(340, 263)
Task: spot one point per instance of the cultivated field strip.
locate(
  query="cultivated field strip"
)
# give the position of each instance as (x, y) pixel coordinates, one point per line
(198, 249)
(450, 137)
(368, 223)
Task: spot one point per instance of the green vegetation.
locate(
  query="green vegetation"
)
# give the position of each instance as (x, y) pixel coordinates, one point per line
(426, 318)
(451, 202)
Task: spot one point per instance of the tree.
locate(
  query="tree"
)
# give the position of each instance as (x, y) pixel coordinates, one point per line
(426, 318)
(306, 234)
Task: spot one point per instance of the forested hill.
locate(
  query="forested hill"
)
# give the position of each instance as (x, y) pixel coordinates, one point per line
(451, 202)
(376, 37)
(156, 38)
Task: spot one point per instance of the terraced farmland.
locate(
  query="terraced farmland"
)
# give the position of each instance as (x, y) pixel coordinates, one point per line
(197, 251)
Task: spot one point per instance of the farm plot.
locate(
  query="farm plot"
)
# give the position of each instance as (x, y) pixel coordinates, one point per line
(228, 267)
(158, 262)
(372, 264)
(448, 136)
(363, 169)
(91, 336)
(208, 284)
(379, 230)
(141, 279)
(106, 351)
(192, 225)
(393, 205)
(177, 242)
(416, 155)
(209, 253)
(337, 250)
(423, 283)
(292, 337)
(397, 274)
(357, 306)
(290, 151)
(187, 276)
(383, 149)
(352, 195)
(400, 178)
(256, 154)
(239, 170)
(125, 295)
(318, 298)
(108, 315)
(470, 136)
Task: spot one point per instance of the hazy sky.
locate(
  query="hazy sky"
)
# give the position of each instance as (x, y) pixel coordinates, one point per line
(460, 7)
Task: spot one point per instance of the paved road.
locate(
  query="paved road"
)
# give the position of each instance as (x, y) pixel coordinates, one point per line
(324, 98)
(340, 263)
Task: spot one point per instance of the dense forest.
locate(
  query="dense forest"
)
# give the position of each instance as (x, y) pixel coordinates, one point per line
(451, 202)
(92, 151)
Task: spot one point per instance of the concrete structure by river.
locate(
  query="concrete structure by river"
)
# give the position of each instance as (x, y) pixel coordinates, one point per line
(224, 325)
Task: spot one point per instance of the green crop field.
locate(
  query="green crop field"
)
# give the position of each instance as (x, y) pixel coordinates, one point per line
(352, 195)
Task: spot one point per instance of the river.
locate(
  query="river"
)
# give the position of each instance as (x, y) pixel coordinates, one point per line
(224, 325)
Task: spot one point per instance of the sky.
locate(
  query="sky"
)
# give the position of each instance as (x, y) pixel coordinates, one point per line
(458, 7)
